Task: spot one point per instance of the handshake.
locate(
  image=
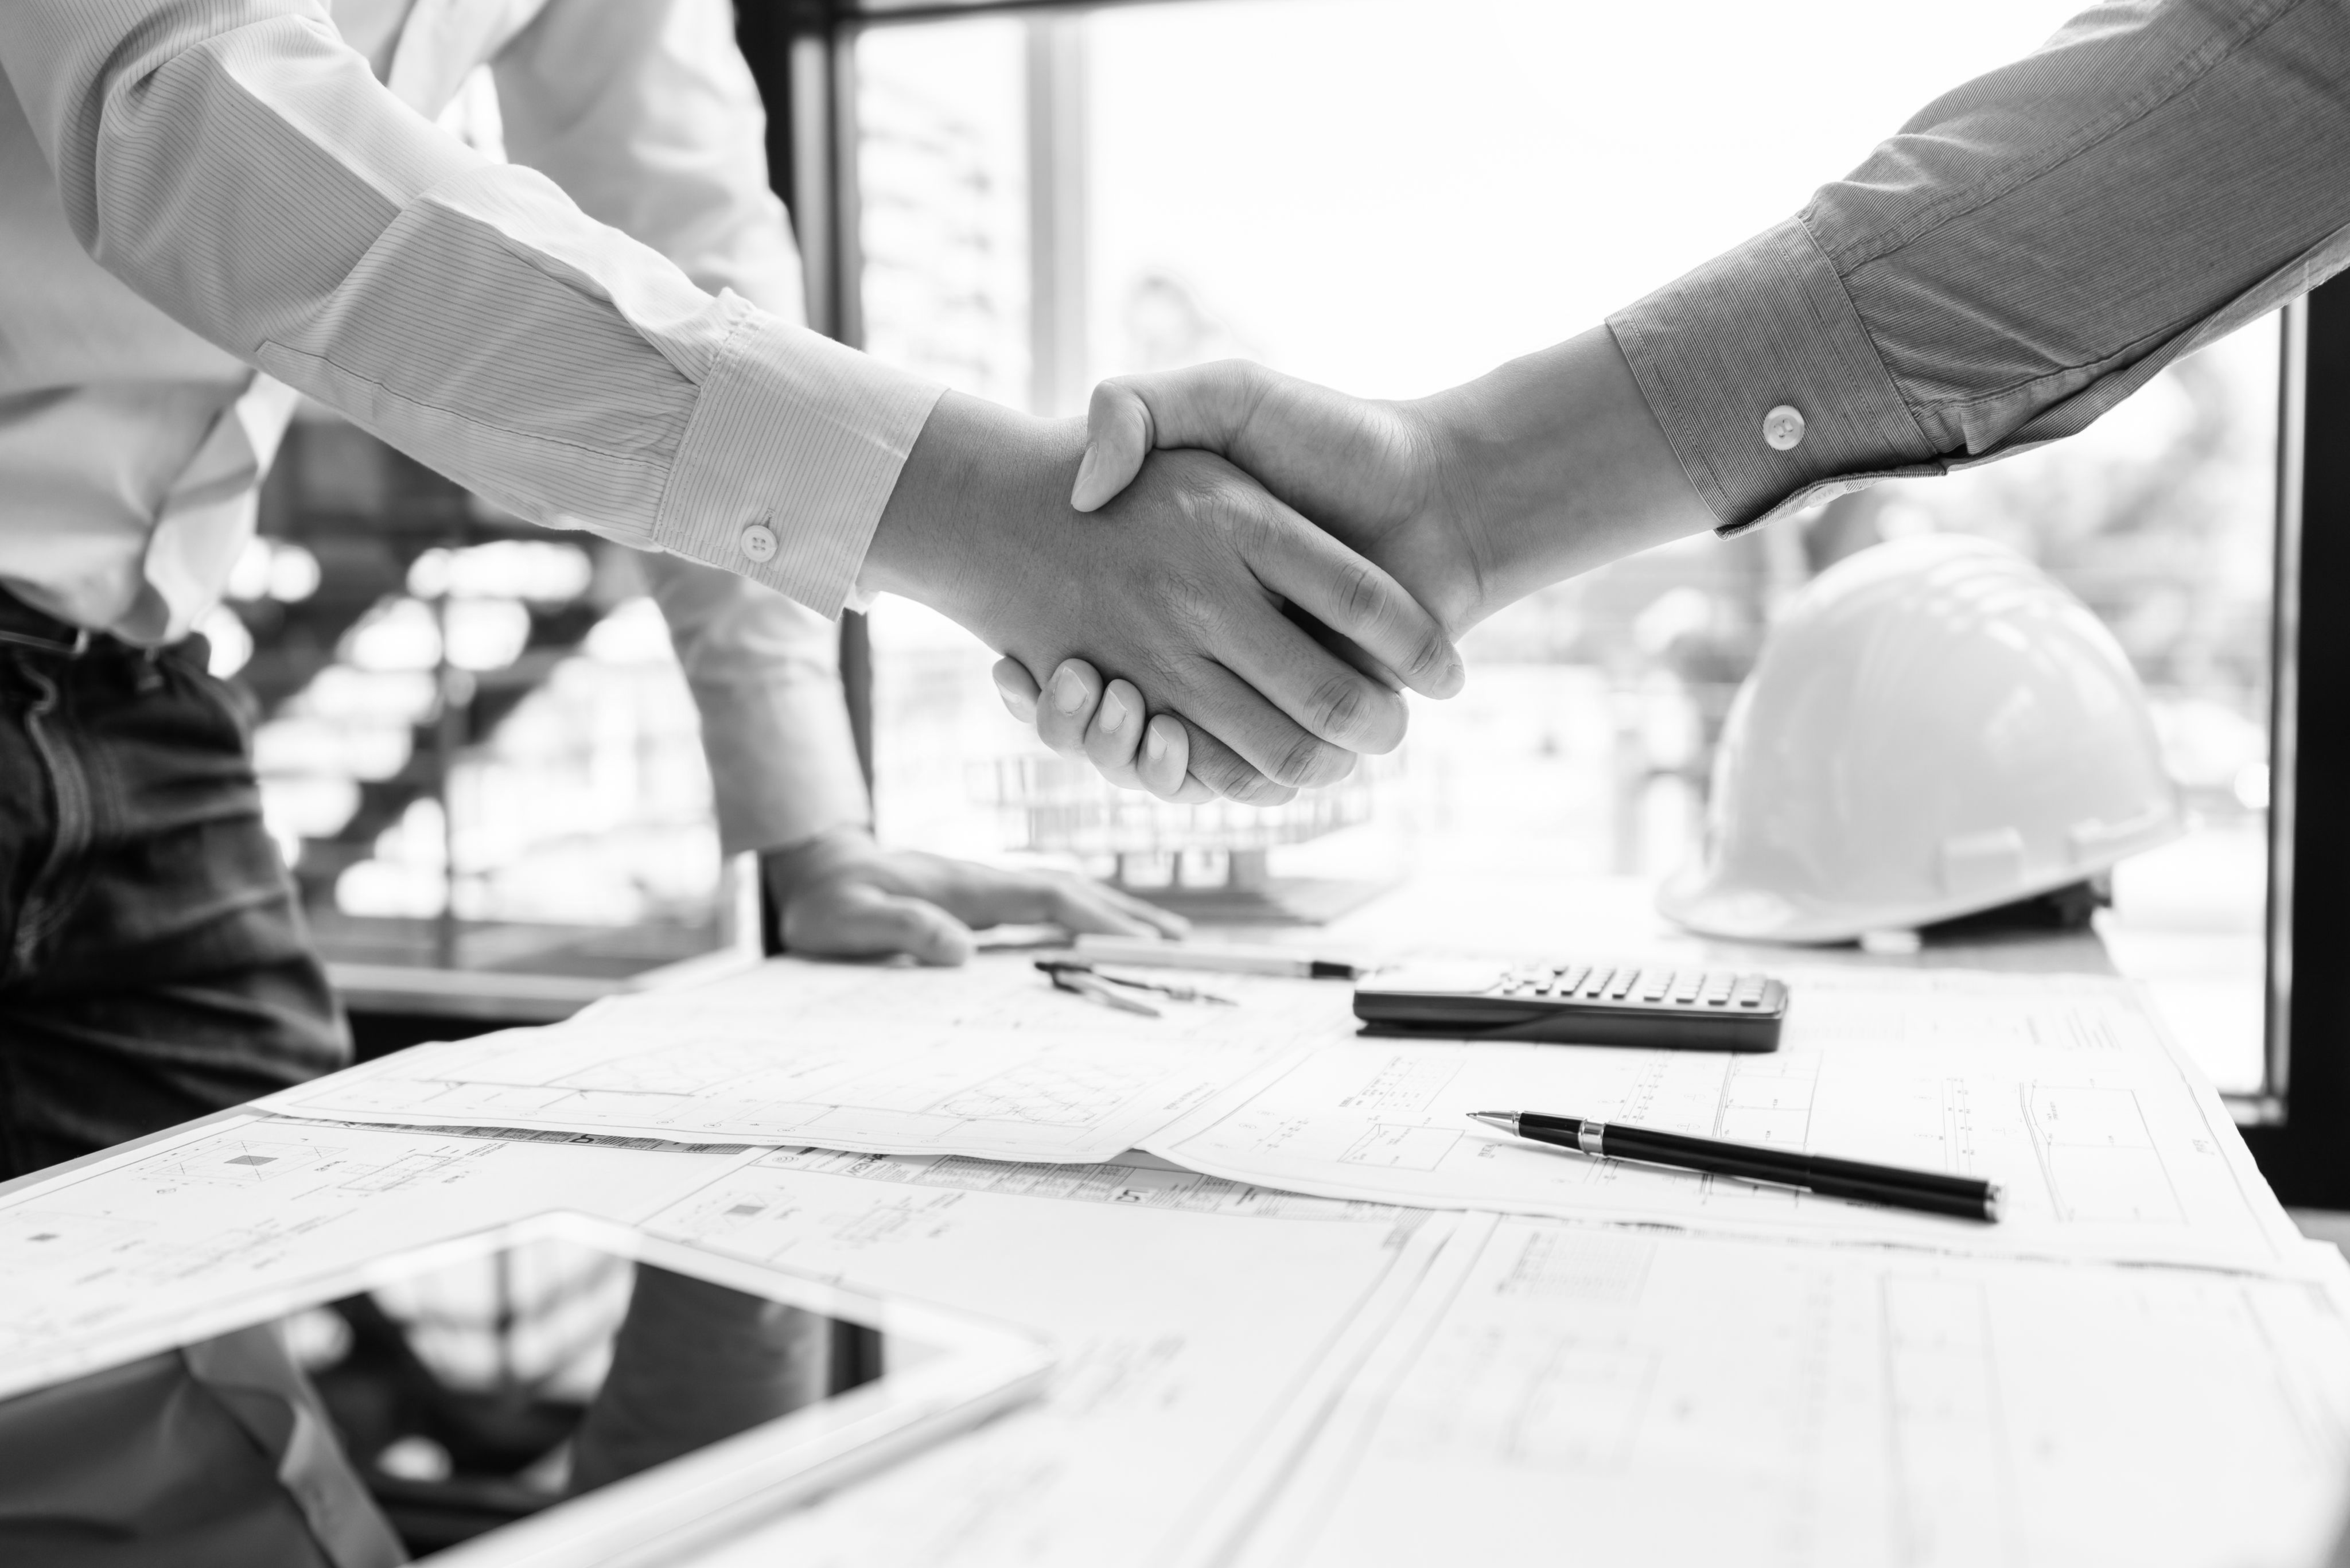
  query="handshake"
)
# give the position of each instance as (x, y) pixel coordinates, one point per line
(1222, 585)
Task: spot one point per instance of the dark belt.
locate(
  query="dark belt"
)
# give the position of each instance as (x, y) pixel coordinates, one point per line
(22, 626)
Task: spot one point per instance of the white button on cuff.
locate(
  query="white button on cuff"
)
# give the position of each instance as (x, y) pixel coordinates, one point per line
(759, 543)
(1783, 428)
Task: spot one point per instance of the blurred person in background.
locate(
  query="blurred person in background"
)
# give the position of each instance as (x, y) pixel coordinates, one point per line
(206, 207)
(2028, 250)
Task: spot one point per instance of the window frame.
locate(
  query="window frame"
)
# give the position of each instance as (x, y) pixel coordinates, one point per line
(2296, 1129)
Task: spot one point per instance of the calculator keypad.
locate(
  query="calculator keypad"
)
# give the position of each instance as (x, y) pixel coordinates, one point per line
(1656, 987)
(1655, 1005)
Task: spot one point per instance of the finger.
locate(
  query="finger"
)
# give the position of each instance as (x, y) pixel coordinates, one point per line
(1345, 647)
(861, 920)
(1017, 688)
(1166, 923)
(1229, 773)
(1207, 406)
(1355, 600)
(1067, 708)
(982, 896)
(1165, 763)
(1083, 906)
(1116, 734)
(1118, 436)
(1282, 699)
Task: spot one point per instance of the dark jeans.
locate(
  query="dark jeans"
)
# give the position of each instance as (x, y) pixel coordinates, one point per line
(156, 965)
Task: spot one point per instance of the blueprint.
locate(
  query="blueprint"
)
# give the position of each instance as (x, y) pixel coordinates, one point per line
(1178, 1401)
(135, 1251)
(985, 1059)
(2106, 1140)
(1200, 1330)
(1577, 1393)
(1138, 1181)
(1259, 1377)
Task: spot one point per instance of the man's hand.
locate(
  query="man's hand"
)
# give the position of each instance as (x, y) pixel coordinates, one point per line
(1471, 499)
(1184, 586)
(842, 896)
(1382, 476)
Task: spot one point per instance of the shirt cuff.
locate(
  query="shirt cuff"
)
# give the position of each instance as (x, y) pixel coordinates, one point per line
(791, 452)
(1762, 328)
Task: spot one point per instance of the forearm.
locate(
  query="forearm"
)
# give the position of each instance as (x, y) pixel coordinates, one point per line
(973, 460)
(1557, 465)
(766, 678)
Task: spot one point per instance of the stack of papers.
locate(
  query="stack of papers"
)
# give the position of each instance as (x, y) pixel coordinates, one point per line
(2064, 1089)
(2106, 1142)
(988, 1061)
(1327, 1319)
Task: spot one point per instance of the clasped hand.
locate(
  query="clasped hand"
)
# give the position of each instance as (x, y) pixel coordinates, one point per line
(1466, 501)
(1256, 652)
(1374, 475)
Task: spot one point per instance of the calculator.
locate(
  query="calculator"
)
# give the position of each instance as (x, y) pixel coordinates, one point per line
(1577, 1004)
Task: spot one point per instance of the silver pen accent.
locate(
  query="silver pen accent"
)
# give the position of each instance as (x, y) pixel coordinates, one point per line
(1590, 1137)
(1505, 1120)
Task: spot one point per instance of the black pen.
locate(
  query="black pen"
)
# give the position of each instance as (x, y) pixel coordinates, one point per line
(1966, 1196)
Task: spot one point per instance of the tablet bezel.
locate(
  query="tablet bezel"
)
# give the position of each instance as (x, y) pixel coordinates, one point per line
(981, 1368)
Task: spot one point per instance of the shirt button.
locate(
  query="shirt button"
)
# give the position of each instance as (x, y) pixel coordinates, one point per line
(1783, 428)
(759, 543)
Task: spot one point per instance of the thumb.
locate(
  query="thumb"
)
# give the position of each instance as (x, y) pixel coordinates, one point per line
(1206, 406)
(1017, 688)
(1118, 435)
(860, 920)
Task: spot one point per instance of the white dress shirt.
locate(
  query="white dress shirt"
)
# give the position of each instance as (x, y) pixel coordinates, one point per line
(602, 334)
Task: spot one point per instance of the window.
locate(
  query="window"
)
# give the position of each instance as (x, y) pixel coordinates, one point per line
(1392, 199)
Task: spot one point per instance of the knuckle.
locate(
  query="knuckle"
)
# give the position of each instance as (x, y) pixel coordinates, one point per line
(1257, 527)
(1430, 653)
(1191, 606)
(1337, 706)
(1362, 596)
(1225, 774)
(1262, 790)
(1198, 492)
(1307, 761)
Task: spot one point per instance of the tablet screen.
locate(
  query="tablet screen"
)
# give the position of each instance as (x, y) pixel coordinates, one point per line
(454, 1396)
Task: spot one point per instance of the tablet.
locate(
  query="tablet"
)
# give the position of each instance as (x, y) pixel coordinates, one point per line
(562, 1391)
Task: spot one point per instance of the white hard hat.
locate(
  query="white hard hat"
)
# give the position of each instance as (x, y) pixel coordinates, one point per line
(1934, 728)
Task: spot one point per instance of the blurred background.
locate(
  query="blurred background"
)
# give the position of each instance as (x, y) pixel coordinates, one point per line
(479, 754)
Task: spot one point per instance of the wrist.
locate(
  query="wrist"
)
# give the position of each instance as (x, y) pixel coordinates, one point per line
(1561, 466)
(1456, 456)
(976, 469)
(789, 868)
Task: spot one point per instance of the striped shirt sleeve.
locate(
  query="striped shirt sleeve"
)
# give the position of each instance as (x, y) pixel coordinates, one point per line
(645, 113)
(236, 164)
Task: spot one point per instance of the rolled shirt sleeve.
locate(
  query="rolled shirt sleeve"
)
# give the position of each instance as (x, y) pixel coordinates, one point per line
(240, 166)
(2032, 248)
(765, 676)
